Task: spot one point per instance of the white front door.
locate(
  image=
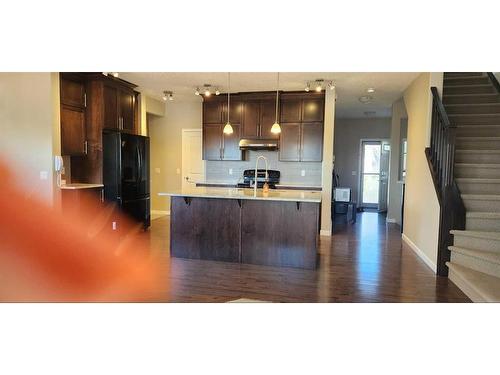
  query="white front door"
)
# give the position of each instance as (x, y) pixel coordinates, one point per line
(193, 167)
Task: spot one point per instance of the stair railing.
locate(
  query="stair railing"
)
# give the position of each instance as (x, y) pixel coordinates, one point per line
(441, 159)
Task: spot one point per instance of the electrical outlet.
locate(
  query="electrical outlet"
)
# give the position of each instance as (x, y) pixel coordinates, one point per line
(44, 175)
(303, 172)
(354, 173)
(231, 171)
(114, 225)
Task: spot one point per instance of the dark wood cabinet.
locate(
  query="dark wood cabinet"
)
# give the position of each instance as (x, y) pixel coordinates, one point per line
(290, 141)
(72, 112)
(73, 133)
(251, 118)
(212, 111)
(110, 107)
(267, 119)
(230, 144)
(291, 110)
(212, 142)
(313, 109)
(111, 104)
(311, 141)
(302, 124)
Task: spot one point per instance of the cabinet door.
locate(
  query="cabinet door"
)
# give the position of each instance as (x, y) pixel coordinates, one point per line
(312, 141)
(212, 142)
(267, 119)
(230, 146)
(250, 119)
(110, 109)
(236, 111)
(290, 142)
(212, 112)
(126, 100)
(72, 93)
(313, 109)
(72, 131)
(290, 110)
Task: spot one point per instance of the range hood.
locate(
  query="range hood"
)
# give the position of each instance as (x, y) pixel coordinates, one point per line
(259, 144)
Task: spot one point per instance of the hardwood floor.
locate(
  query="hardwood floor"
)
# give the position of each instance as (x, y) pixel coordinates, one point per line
(364, 262)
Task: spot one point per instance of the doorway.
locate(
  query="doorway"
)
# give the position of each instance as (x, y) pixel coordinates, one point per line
(193, 167)
(374, 168)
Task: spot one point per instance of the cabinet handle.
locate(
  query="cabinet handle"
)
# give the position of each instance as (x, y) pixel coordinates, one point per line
(102, 195)
(85, 100)
(86, 147)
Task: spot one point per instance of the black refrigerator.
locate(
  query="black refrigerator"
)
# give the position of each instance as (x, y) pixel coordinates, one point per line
(126, 173)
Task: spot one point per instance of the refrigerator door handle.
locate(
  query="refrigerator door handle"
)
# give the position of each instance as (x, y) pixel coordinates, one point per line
(139, 166)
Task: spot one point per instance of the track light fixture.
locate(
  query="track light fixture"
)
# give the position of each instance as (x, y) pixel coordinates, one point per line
(168, 95)
(207, 90)
(319, 85)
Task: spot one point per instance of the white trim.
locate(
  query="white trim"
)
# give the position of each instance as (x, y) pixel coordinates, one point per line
(159, 212)
(324, 232)
(420, 253)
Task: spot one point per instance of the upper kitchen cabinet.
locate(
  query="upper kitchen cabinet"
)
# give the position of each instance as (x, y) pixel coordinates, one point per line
(302, 124)
(212, 111)
(267, 119)
(250, 119)
(118, 106)
(72, 111)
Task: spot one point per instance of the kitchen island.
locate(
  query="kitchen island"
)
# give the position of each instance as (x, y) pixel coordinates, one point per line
(278, 228)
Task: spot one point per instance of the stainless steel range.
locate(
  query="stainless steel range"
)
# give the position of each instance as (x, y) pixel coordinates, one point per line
(249, 178)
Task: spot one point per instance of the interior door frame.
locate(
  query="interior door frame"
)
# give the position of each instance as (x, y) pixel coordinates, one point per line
(360, 169)
(183, 141)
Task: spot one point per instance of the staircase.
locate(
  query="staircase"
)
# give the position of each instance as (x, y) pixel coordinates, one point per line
(472, 103)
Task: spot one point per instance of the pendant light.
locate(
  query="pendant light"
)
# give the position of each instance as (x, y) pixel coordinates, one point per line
(228, 129)
(276, 128)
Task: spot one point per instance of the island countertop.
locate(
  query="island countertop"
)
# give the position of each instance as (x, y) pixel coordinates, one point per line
(238, 193)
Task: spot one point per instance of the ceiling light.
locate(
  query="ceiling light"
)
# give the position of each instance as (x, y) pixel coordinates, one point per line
(307, 88)
(228, 129)
(168, 95)
(319, 84)
(207, 93)
(217, 92)
(197, 92)
(276, 128)
(365, 99)
(115, 74)
(370, 90)
(331, 85)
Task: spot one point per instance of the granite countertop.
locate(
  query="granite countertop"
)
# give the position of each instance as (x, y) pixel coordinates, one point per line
(279, 186)
(235, 193)
(81, 186)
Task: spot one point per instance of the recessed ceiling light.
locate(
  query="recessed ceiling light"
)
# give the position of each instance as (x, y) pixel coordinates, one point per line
(365, 99)
(370, 90)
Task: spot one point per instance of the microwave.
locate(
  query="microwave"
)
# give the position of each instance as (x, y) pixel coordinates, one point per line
(342, 194)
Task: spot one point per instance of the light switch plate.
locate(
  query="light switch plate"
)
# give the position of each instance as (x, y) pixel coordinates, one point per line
(44, 175)
(303, 172)
(230, 170)
(157, 170)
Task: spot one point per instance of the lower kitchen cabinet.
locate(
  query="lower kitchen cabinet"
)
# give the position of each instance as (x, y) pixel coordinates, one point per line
(73, 133)
(205, 228)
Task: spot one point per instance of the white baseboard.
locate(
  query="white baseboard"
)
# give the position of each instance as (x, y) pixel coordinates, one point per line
(420, 253)
(159, 212)
(324, 232)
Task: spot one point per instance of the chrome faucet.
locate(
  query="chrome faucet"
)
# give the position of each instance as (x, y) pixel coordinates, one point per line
(255, 176)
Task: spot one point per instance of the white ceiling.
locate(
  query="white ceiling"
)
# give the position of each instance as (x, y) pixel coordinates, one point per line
(349, 86)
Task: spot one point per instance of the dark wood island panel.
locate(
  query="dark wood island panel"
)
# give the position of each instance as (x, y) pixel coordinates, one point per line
(274, 233)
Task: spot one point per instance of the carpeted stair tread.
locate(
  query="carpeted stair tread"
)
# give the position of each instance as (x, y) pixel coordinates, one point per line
(477, 234)
(477, 285)
(483, 255)
(483, 215)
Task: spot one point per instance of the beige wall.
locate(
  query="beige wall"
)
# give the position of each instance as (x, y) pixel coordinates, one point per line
(348, 136)
(395, 187)
(166, 147)
(421, 215)
(30, 129)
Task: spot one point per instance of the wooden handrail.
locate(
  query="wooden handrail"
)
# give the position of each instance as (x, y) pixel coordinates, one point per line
(441, 109)
(494, 81)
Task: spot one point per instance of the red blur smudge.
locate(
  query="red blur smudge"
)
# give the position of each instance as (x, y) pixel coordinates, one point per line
(49, 255)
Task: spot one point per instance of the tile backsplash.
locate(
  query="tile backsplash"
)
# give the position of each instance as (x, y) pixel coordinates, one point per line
(291, 172)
